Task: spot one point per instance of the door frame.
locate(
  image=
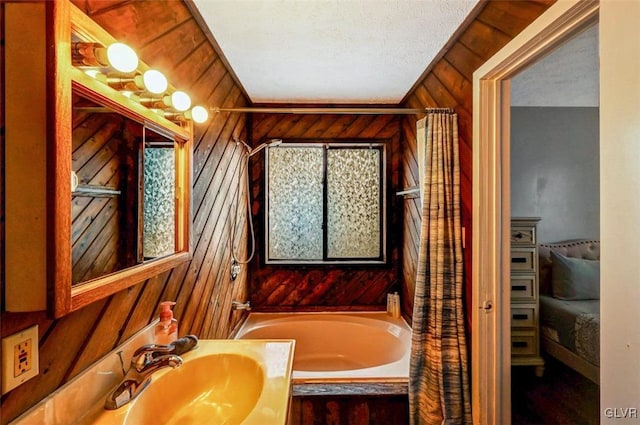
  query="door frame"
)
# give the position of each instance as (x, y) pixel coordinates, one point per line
(490, 349)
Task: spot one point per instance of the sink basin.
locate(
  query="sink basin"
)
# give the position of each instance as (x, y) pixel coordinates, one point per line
(217, 388)
(222, 381)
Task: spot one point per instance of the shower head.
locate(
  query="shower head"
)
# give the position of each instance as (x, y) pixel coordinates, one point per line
(268, 143)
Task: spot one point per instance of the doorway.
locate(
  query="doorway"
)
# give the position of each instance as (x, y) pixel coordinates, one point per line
(491, 350)
(554, 177)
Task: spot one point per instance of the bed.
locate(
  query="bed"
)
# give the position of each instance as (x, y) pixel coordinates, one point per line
(569, 276)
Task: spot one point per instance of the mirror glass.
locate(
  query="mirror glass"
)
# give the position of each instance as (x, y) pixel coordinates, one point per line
(159, 209)
(124, 205)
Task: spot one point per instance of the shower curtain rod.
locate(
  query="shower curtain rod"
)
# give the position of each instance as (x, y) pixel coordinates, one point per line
(373, 111)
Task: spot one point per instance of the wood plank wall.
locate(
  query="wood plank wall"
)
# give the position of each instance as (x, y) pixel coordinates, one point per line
(350, 410)
(97, 244)
(285, 288)
(448, 83)
(166, 36)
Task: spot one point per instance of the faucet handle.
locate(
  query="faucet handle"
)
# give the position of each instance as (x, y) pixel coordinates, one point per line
(144, 354)
(153, 348)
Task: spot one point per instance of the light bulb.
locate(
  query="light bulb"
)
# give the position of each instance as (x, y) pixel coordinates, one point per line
(122, 57)
(155, 82)
(199, 114)
(179, 100)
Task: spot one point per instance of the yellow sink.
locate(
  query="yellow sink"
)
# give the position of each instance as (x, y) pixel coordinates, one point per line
(217, 389)
(220, 382)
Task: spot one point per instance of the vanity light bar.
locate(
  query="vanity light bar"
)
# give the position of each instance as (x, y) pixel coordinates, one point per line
(149, 87)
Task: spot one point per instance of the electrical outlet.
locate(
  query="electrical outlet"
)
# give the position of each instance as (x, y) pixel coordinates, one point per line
(19, 358)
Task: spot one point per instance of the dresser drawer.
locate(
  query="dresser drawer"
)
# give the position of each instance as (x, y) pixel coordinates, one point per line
(523, 288)
(523, 235)
(523, 260)
(523, 316)
(524, 343)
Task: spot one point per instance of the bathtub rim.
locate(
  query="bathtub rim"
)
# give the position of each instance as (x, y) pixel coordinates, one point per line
(320, 377)
(355, 313)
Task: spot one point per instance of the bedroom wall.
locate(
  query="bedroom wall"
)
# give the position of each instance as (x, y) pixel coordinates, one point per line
(620, 210)
(555, 170)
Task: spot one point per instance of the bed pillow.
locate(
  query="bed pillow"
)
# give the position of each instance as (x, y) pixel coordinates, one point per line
(574, 278)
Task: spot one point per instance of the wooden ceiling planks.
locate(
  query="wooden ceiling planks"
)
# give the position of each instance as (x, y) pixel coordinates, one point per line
(464, 60)
(138, 23)
(448, 83)
(162, 55)
(510, 18)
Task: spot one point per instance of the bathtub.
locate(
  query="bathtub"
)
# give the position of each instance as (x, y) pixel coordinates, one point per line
(338, 347)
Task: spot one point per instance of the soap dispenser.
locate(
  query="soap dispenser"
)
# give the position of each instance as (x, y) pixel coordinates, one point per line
(167, 328)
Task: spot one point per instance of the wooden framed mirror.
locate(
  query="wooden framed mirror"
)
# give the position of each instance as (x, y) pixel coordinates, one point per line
(127, 216)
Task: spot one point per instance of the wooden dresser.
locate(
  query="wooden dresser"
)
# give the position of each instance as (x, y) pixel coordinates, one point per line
(525, 326)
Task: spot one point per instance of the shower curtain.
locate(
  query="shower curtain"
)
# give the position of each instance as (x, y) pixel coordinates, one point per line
(438, 380)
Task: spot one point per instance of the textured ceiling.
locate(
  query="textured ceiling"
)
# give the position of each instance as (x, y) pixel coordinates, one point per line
(331, 51)
(568, 76)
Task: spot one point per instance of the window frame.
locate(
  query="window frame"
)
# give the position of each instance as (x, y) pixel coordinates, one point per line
(383, 202)
(170, 142)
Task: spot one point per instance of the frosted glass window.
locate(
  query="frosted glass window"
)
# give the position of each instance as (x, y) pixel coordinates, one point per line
(353, 203)
(325, 203)
(295, 203)
(159, 202)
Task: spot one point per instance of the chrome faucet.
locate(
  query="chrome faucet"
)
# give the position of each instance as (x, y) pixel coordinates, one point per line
(146, 360)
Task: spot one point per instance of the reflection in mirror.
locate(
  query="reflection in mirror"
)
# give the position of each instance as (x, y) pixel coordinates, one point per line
(159, 196)
(101, 138)
(124, 208)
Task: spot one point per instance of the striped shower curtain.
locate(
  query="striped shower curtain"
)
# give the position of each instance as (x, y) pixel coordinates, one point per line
(438, 380)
